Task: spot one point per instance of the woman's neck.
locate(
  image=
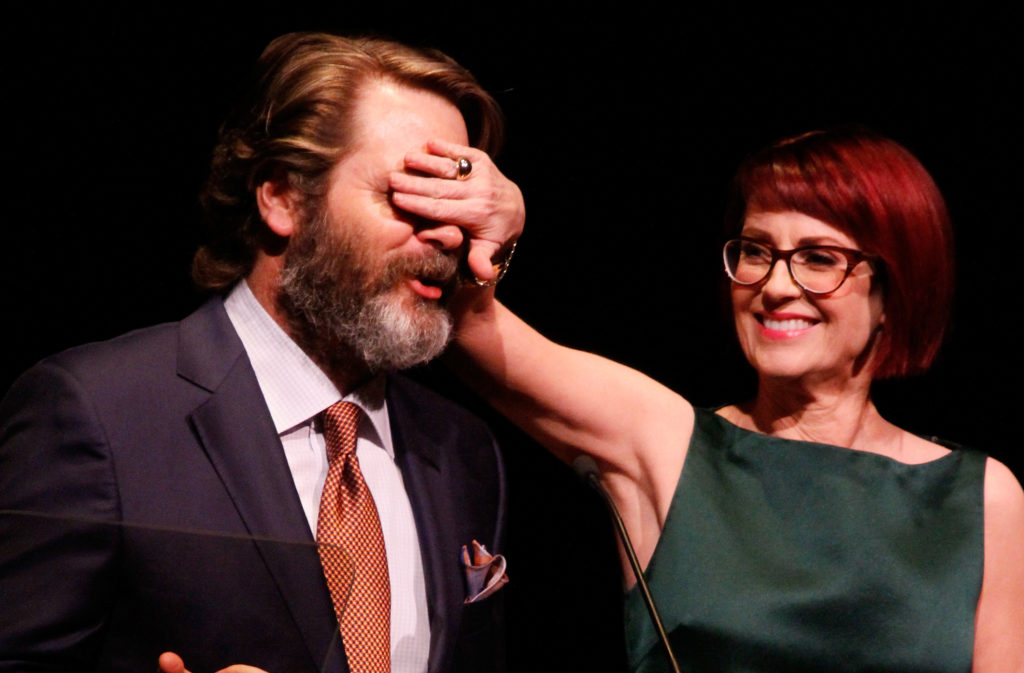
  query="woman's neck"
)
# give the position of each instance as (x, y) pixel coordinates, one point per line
(837, 414)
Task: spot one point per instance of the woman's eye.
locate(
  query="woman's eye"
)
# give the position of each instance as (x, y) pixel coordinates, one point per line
(819, 258)
(755, 253)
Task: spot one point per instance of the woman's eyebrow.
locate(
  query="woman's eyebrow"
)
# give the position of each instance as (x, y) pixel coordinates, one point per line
(757, 234)
(824, 241)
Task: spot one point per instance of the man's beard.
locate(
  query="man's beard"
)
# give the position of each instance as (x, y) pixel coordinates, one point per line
(348, 311)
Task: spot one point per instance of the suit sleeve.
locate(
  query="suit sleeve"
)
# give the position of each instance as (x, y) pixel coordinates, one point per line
(59, 528)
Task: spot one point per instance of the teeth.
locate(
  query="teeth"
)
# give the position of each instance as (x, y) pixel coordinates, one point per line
(787, 325)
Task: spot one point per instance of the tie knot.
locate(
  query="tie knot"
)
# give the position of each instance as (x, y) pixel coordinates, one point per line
(341, 425)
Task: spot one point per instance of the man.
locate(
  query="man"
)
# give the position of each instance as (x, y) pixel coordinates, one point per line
(163, 491)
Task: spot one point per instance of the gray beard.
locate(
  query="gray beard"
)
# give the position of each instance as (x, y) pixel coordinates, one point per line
(343, 309)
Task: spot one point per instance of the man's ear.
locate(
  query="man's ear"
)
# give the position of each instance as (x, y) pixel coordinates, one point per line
(278, 206)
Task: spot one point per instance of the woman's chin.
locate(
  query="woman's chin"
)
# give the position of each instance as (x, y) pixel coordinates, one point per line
(794, 366)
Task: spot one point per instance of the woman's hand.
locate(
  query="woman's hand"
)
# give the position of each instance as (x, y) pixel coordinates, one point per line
(485, 204)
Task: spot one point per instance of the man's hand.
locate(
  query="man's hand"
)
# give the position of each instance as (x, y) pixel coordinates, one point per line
(486, 204)
(170, 662)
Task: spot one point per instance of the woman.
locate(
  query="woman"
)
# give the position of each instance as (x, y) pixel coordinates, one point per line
(798, 531)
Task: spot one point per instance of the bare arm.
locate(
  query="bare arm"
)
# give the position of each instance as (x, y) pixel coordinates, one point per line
(999, 623)
(571, 402)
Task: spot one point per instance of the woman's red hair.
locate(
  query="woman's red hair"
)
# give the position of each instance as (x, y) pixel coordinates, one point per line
(879, 193)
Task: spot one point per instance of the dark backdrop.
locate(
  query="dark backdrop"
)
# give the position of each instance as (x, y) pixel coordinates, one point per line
(625, 124)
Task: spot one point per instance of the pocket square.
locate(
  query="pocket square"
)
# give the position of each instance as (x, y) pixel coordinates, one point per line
(485, 573)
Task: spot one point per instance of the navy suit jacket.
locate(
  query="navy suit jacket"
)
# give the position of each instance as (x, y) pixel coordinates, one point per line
(146, 505)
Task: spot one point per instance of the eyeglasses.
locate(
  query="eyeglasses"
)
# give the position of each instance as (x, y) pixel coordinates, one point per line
(818, 269)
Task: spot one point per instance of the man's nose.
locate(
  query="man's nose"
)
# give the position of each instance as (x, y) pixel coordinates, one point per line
(440, 235)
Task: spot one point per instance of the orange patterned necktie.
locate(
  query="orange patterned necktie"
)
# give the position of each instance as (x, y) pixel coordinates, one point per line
(351, 548)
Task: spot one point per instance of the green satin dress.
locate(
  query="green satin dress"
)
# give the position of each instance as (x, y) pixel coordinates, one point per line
(791, 557)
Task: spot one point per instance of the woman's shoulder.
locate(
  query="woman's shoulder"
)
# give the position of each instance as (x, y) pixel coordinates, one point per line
(915, 449)
(998, 645)
(1003, 493)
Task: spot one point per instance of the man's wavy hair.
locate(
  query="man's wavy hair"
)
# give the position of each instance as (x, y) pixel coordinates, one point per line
(296, 125)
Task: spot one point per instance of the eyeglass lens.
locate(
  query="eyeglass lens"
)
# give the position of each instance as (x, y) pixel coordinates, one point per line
(819, 270)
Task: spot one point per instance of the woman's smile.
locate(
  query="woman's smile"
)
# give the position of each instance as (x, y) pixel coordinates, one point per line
(784, 326)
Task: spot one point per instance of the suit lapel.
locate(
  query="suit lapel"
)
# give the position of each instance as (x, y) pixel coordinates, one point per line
(238, 435)
(420, 453)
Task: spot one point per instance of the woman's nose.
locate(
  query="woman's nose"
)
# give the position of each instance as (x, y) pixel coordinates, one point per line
(780, 282)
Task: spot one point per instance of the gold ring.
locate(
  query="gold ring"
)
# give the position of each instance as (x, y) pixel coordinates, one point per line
(462, 168)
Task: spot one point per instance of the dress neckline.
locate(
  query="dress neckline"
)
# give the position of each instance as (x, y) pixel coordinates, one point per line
(951, 447)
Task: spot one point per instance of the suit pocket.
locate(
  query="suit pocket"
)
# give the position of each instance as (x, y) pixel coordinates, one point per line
(481, 645)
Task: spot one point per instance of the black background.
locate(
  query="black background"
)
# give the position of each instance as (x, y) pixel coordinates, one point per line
(625, 120)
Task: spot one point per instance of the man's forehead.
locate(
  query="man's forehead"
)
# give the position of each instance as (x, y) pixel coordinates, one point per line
(390, 115)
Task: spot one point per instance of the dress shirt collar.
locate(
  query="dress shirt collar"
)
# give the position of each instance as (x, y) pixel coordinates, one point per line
(296, 390)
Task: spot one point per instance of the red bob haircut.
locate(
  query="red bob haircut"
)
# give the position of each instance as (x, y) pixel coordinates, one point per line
(877, 192)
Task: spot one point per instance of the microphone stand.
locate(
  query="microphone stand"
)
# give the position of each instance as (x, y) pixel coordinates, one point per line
(587, 470)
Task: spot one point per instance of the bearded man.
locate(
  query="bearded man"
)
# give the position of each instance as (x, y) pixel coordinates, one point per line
(255, 484)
